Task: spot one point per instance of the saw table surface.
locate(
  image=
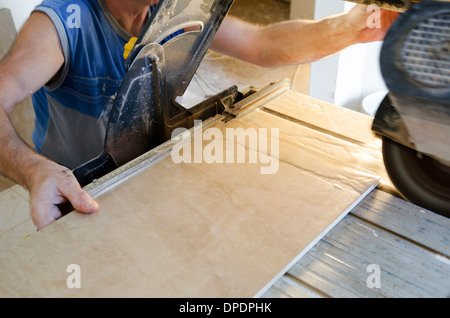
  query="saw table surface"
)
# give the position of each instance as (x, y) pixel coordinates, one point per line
(409, 246)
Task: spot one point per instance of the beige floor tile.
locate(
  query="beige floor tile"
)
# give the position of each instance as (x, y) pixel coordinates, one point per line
(15, 221)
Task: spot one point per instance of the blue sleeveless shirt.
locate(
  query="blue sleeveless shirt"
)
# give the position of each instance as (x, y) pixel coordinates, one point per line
(72, 111)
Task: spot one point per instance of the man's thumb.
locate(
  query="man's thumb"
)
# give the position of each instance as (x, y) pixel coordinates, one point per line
(82, 202)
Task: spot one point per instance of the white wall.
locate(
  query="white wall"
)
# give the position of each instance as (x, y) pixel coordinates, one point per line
(324, 73)
(20, 9)
(358, 73)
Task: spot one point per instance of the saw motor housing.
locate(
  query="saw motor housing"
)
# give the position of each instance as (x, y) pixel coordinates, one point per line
(414, 118)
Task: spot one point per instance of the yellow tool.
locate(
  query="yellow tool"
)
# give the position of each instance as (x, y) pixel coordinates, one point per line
(128, 47)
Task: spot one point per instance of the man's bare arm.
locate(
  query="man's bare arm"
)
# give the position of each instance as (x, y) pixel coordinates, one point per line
(35, 59)
(298, 41)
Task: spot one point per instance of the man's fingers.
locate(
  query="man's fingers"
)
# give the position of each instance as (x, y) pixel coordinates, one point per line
(71, 190)
(43, 214)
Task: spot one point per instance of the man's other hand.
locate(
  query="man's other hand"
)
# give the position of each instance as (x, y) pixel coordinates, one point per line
(370, 23)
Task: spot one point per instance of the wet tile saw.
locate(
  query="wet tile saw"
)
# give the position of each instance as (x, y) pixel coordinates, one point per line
(413, 119)
(145, 110)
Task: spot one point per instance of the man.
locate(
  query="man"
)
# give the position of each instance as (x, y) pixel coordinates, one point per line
(74, 71)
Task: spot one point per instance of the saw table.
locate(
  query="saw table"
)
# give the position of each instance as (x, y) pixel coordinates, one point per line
(410, 246)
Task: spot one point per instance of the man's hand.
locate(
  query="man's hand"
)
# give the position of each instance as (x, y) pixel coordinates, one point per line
(370, 23)
(51, 186)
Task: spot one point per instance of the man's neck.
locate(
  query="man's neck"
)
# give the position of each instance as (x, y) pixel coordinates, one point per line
(130, 14)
